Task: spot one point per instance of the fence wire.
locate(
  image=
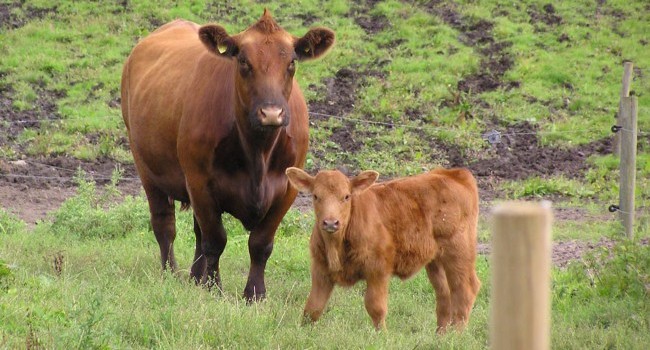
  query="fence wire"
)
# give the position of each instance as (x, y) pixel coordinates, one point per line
(492, 136)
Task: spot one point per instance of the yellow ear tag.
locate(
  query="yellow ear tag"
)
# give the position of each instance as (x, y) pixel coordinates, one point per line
(307, 50)
(222, 48)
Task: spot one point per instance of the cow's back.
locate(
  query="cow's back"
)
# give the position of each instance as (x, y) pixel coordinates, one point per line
(159, 84)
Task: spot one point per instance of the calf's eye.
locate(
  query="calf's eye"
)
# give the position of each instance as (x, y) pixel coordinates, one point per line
(346, 198)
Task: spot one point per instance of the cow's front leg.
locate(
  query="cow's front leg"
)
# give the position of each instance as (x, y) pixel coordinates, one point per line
(321, 290)
(212, 234)
(260, 247)
(376, 300)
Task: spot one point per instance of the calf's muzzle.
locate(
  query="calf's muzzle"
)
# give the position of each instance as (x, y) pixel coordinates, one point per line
(331, 225)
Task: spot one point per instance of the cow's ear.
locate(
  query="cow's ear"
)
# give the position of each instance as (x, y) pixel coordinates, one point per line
(314, 44)
(217, 40)
(300, 179)
(364, 180)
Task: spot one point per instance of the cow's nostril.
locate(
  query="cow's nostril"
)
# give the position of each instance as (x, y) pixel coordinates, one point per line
(271, 115)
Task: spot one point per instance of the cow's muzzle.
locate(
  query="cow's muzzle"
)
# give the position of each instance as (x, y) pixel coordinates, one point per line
(271, 116)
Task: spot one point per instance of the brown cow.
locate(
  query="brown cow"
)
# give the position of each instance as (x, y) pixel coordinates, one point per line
(214, 120)
(371, 232)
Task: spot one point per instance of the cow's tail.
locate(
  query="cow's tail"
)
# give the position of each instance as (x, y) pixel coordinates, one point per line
(124, 93)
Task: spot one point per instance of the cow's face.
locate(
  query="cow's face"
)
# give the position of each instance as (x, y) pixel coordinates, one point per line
(333, 194)
(265, 56)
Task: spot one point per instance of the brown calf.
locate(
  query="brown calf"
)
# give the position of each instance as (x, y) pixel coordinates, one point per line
(372, 232)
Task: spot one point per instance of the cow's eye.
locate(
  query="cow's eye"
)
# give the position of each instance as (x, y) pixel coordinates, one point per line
(243, 64)
(292, 66)
(315, 197)
(346, 198)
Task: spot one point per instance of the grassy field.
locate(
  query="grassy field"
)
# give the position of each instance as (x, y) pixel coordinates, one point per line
(82, 279)
(410, 85)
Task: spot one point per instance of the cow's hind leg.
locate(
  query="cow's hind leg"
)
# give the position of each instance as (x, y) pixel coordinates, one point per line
(438, 279)
(197, 270)
(463, 283)
(163, 223)
(210, 230)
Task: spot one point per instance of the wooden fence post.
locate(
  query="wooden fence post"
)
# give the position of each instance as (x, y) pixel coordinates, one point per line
(625, 92)
(521, 264)
(628, 120)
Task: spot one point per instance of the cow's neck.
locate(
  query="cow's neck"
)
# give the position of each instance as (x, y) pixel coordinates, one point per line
(257, 147)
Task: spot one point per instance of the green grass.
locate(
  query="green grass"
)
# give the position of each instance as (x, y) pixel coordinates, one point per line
(65, 284)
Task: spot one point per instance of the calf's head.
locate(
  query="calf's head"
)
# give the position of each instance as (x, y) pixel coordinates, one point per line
(332, 195)
(265, 56)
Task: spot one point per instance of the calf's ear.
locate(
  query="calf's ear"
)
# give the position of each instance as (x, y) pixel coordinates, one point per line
(364, 180)
(217, 40)
(300, 179)
(314, 44)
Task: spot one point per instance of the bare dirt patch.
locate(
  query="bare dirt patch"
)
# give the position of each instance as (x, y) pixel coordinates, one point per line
(546, 15)
(14, 15)
(339, 93)
(519, 155)
(477, 33)
(32, 188)
(360, 11)
(15, 121)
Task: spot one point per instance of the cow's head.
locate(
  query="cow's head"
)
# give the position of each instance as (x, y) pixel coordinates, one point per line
(332, 195)
(265, 55)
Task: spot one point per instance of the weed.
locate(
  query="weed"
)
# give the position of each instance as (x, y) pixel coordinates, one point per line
(6, 277)
(96, 215)
(10, 224)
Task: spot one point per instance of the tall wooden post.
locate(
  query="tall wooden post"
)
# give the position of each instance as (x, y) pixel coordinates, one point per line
(521, 264)
(625, 92)
(628, 120)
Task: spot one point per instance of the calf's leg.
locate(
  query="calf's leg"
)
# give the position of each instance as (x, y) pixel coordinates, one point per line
(321, 290)
(463, 283)
(376, 300)
(438, 279)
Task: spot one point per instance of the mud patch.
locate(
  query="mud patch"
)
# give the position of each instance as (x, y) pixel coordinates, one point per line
(345, 138)
(519, 156)
(477, 33)
(15, 15)
(339, 92)
(307, 19)
(360, 12)
(60, 172)
(33, 188)
(15, 122)
(546, 15)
